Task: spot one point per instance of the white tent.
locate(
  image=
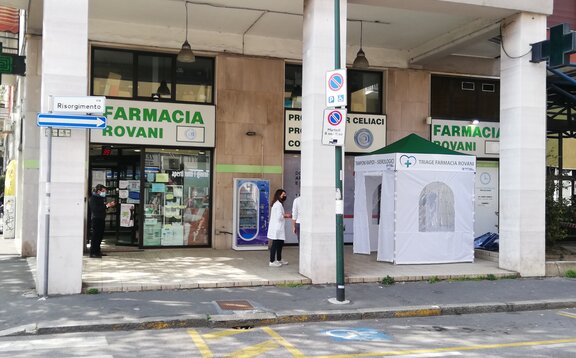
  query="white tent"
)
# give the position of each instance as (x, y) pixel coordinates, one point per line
(414, 203)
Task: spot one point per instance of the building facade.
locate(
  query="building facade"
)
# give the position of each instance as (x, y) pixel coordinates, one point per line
(178, 134)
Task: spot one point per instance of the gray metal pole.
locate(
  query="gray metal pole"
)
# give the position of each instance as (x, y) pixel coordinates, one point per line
(47, 214)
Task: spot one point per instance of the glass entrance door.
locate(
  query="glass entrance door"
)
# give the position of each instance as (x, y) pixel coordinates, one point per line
(118, 168)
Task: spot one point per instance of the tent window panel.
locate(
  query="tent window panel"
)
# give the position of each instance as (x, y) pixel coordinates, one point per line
(376, 196)
(436, 208)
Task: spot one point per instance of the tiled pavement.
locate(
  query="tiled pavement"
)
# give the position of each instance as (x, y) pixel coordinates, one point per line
(168, 269)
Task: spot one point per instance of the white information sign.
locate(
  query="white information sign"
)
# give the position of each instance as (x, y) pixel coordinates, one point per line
(80, 105)
(481, 140)
(157, 123)
(365, 133)
(336, 88)
(334, 127)
(417, 162)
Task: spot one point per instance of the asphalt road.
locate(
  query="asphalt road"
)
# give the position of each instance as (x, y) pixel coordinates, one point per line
(524, 334)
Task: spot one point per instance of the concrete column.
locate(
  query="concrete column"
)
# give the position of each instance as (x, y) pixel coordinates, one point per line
(28, 152)
(64, 73)
(318, 190)
(522, 147)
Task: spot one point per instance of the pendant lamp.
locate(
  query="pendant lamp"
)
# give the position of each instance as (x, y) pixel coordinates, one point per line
(163, 90)
(186, 54)
(361, 61)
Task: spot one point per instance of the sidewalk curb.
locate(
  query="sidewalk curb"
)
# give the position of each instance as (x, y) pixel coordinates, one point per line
(253, 319)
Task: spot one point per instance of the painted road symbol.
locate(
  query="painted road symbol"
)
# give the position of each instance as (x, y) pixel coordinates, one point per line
(357, 334)
(336, 81)
(334, 118)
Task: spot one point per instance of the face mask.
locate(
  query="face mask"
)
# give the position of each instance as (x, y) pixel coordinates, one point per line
(283, 199)
(102, 194)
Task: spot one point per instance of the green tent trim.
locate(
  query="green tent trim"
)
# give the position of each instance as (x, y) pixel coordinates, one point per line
(413, 143)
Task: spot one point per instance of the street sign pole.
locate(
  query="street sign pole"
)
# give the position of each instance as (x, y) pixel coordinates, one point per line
(78, 106)
(340, 293)
(47, 206)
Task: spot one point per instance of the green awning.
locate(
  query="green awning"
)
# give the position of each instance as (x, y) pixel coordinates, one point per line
(413, 143)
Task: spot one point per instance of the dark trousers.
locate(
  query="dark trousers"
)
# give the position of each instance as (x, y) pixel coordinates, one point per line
(97, 234)
(276, 250)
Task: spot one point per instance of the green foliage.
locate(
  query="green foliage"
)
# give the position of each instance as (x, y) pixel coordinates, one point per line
(557, 212)
(92, 291)
(491, 277)
(434, 279)
(570, 274)
(387, 280)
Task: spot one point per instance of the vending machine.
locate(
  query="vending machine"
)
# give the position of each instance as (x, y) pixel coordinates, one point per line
(251, 210)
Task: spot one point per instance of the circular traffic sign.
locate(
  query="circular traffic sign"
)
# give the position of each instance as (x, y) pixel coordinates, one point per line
(335, 82)
(334, 118)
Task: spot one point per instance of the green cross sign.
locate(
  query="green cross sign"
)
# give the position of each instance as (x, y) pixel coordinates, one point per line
(558, 49)
(11, 64)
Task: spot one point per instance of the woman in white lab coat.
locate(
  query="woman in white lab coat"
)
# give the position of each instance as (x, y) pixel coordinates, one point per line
(276, 232)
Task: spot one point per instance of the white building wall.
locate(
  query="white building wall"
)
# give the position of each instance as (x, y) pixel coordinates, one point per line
(64, 73)
(318, 191)
(28, 152)
(522, 147)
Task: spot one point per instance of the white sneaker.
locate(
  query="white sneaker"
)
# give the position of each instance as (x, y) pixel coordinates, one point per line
(275, 264)
(283, 262)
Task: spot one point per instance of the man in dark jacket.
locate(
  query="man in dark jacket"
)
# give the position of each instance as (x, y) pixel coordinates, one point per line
(98, 206)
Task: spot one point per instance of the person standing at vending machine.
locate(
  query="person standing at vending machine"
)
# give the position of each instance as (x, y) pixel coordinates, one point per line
(276, 232)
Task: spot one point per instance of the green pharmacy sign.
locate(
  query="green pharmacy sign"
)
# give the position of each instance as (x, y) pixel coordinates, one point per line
(157, 123)
(557, 49)
(481, 140)
(12, 64)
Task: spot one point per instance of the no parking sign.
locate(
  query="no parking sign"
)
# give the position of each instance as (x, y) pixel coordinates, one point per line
(334, 127)
(336, 88)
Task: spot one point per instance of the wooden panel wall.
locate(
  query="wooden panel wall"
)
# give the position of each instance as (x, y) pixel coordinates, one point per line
(249, 97)
(408, 103)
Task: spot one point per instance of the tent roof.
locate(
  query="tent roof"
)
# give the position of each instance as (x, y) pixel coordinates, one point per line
(415, 144)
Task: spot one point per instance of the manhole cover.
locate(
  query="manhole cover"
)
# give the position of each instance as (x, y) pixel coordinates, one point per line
(235, 305)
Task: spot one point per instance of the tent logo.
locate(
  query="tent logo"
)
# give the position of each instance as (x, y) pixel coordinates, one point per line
(407, 161)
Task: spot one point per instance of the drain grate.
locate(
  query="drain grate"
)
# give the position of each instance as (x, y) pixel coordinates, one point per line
(239, 305)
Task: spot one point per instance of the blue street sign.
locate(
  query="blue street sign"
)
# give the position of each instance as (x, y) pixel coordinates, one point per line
(71, 121)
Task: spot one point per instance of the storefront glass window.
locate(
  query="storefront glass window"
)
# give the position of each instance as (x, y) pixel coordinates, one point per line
(176, 198)
(293, 86)
(113, 73)
(365, 92)
(154, 76)
(195, 80)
